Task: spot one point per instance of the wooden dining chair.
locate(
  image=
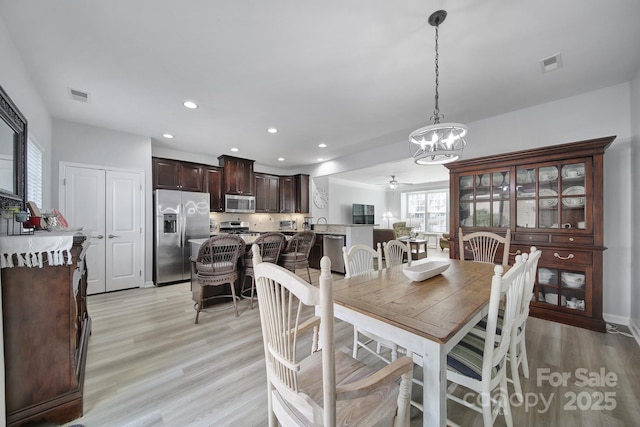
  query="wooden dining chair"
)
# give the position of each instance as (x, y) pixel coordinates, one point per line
(396, 252)
(215, 265)
(327, 387)
(296, 253)
(480, 363)
(270, 244)
(361, 259)
(484, 245)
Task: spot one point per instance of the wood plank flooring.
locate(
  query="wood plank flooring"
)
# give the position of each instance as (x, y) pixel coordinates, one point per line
(150, 365)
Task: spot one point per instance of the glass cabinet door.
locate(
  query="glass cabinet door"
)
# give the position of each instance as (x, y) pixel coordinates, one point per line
(551, 196)
(562, 287)
(484, 200)
(573, 196)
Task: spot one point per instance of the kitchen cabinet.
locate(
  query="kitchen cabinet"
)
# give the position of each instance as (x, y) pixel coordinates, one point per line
(267, 193)
(549, 197)
(317, 251)
(177, 175)
(238, 175)
(213, 180)
(294, 194)
(302, 193)
(287, 194)
(46, 332)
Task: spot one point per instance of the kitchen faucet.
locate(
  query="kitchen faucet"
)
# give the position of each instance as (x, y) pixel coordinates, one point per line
(325, 220)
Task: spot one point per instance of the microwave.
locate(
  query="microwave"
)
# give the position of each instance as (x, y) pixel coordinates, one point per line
(239, 204)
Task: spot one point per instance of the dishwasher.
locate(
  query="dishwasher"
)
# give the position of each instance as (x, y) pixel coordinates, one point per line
(332, 245)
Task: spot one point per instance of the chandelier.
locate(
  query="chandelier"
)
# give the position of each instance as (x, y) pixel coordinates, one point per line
(438, 143)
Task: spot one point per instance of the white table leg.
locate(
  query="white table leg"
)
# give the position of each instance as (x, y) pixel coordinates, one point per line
(434, 393)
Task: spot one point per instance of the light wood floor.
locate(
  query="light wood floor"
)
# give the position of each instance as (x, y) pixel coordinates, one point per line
(150, 365)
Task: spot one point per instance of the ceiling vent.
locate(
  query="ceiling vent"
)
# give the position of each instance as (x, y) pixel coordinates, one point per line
(551, 63)
(80, 96)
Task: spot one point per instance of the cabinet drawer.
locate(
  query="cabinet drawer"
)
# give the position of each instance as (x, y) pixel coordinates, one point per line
(566, 257)
(585, 240)
(531, 238)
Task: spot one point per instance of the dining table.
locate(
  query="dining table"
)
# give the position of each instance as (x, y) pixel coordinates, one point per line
(427, 318)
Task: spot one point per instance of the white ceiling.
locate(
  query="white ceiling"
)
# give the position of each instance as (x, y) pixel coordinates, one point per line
(352, 74)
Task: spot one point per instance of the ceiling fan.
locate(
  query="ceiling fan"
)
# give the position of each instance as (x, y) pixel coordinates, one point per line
(393, 183)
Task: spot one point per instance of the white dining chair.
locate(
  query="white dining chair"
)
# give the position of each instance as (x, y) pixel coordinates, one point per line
(517, 349)
(361, 259)
(396, 252)
(327, 387)
(484, 245)
(480, 363)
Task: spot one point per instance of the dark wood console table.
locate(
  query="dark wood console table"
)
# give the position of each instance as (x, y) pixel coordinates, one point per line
(46, 331)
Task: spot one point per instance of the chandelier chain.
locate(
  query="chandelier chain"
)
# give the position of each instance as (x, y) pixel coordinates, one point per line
(436, 112)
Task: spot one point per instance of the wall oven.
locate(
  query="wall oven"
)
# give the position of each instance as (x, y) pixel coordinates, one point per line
(239, 204)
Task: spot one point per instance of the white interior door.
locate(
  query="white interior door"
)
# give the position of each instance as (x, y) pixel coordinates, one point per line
(108, 205)
(124, 231)
(84, 206)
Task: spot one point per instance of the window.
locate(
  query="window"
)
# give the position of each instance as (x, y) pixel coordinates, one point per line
(34, 173)
(427, 211)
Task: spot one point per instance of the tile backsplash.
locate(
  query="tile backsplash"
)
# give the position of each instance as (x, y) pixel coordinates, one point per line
(258, 221)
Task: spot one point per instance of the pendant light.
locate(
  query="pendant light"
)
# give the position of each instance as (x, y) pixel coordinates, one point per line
(438, 143)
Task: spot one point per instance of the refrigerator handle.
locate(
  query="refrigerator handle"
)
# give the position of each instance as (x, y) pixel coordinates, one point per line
(182, 225)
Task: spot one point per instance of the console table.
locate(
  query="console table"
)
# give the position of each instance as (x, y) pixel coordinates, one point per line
(46, 327)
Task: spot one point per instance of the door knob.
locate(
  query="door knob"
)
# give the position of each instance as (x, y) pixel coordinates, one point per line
(111, 236)
(99, 236)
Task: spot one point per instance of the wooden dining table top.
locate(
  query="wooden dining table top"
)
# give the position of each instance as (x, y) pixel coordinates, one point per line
(434, 309)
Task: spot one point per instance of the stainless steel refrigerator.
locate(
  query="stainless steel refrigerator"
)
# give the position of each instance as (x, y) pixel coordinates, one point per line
(179, 216)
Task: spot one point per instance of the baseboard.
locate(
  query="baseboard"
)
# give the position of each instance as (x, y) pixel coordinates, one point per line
(635, 330)
(618, 320)
(148, 284)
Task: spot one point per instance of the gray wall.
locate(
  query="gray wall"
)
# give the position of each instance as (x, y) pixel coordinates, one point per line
(635, 205)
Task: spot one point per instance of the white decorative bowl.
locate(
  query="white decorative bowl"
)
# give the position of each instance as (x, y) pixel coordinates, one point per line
(424, 271)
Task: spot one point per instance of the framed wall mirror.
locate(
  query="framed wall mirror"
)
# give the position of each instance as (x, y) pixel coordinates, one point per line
(13, 150)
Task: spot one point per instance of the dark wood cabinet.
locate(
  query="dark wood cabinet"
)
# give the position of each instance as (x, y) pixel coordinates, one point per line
(46, 331)
(238, 175)
(267, 193)
(551, 198)
(317, 251)
(302, 193)
(213, 179)
(287, 194)
(177, 175)
(294, 194)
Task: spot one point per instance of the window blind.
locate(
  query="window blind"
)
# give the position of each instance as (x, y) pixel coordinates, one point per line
(34, 173)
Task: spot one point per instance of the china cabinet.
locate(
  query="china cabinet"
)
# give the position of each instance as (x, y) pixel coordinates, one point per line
(549, 197)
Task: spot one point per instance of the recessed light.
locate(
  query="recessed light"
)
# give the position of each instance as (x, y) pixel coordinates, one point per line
(281, 159)
(272, 130)
(190, 104)
(167, 135)
(322, 145)
(234, 149)
(320, 159)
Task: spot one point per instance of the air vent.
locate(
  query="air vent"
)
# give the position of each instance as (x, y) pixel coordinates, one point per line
(551, 63)
(80, 96)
